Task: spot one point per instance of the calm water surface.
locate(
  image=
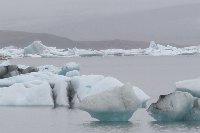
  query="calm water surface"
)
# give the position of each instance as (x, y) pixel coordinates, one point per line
(155, 75)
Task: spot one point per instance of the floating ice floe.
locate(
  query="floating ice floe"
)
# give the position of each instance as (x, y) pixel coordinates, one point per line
(37, 49)
(106, 98)
(181, 105)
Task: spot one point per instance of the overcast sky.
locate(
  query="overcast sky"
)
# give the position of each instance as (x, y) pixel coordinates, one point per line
(102, 19)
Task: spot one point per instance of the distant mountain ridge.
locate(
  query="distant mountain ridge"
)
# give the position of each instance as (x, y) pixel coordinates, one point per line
(22, 39)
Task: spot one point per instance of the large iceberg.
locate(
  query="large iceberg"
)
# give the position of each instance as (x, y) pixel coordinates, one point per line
(106, 98)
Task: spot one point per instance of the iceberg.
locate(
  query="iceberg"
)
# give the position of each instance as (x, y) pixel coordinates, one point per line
(175, 106)
(181, 105)
(86, 85)
(33, 93)
(58, 84)
(106, 98)
(116, 104)
(35, 48)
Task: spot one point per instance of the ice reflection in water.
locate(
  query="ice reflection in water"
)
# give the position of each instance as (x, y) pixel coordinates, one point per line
(186, 127)
(111, 127)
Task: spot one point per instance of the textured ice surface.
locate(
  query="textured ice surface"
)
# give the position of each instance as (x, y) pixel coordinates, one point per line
(177, 106)
(115, 104)
(106, 98)
(143, 97)
(58, 83)
(35, 48)
(87, 85)
(27, 93)
(71, 66)
(192, 86)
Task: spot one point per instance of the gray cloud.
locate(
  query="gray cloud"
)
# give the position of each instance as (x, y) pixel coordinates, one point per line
(103, 19)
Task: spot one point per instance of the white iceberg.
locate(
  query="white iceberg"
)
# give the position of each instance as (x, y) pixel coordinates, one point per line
(116, 104)
(35, 48)
(27, 94)
(110, 95)
(87, 85)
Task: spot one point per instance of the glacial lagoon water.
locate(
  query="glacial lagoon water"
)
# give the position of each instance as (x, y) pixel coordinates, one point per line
(155, 75)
